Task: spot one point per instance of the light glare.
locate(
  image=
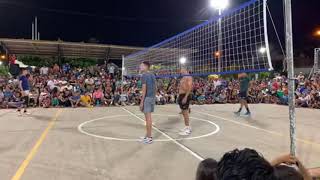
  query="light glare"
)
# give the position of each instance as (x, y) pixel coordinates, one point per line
(183, 60)
(263, 50)
(219, 4)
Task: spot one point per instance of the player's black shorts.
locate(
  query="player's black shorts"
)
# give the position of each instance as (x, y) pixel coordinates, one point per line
(187, 104)
(243, 95)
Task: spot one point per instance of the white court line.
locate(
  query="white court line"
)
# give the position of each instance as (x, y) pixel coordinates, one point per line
(257, 128)
(80, 129)
(167, 136)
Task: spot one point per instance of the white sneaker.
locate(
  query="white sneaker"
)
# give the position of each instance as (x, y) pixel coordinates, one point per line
(186, 131)
(147, 140)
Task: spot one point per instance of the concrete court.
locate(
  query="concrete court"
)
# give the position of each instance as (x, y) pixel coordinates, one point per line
(101, 143)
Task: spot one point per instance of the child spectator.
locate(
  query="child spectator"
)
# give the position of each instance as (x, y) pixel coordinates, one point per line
(86, 100)
(98, 96)
(74, 99)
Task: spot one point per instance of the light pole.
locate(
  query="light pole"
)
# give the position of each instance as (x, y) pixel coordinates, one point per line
(220, 5)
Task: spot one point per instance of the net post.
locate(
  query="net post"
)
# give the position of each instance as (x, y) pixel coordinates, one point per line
(122, 70)
(266, 38)
(289, 52)
(219, 40)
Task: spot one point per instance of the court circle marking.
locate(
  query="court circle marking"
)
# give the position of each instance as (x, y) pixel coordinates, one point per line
(80, 129)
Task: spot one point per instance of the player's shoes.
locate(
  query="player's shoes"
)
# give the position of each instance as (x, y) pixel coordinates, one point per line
(247, 114)
(26, 113)
(19, 113)
(186, 131)
(237, 113)
(146, 140)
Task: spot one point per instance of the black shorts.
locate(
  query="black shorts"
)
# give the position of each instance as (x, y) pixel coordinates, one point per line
(243, 95)
(187, 104)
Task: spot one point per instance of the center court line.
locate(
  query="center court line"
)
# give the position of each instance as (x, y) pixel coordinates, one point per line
(257, 128)
(196, 155)
(35, 148)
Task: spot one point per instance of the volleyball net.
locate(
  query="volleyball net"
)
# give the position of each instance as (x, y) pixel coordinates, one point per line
(234, 42)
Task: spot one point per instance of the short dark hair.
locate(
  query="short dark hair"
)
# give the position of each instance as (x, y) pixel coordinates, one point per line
(284, 172)
(244, 164)
(147, 63)
(207, 170)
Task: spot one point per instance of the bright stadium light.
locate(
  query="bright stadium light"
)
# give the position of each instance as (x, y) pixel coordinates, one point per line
(219, 4)
(0, 63)
(183, 60)
(262, 50)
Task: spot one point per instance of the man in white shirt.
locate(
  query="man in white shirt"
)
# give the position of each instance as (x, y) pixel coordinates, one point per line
(44, 70)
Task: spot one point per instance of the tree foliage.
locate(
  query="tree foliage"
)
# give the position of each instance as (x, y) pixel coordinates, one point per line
(46, 61)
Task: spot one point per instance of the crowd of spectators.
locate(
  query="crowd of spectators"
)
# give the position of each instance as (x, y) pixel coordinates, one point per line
(102, 86)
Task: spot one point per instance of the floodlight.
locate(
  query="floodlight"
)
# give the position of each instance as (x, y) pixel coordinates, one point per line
(219, 4)
(262, 50)
(183, 60)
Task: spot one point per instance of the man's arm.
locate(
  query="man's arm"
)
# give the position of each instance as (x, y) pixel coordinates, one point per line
(290, 160)
(143, 95)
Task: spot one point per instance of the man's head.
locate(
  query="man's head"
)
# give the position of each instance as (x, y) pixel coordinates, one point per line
(207, 170)
(242, 75)
(24, 71)
(145, 66)
(244, 164)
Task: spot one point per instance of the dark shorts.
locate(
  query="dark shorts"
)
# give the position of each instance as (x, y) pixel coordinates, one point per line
(187, 104)
(243, 95)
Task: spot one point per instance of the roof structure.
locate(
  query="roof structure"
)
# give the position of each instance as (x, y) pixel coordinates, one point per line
(66, 49)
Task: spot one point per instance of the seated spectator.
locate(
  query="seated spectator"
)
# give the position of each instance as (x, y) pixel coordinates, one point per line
(98, 96)
(86, 100)
(244, 164)
(207, 170)
(123, 98)
(16, 101)
(108, 98)
(284, 169)
(44, 98)
(64, 99)
(74, 99)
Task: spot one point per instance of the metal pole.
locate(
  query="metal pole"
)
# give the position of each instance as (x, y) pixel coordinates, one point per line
(38, 35)
(32, 31)
(290, 64)
(122, 69)
(219, 42)
(316, 59)
(36, 28)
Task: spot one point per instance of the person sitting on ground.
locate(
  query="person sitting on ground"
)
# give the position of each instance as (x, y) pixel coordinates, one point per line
(44, 98)
(207, 170)
(284, 169)
(244, 164)
(86, 100)
(98, 96)
(123, 98)
(74, 99)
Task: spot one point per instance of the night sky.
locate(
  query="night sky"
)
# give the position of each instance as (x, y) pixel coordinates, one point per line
(137, 23)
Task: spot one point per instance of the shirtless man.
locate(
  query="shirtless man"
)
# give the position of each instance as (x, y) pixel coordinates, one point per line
(184, 98)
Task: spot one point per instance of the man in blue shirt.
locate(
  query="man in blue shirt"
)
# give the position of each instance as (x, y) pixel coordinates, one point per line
(148, 98)
(25, 89)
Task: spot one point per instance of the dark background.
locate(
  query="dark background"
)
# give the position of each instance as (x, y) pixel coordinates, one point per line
(140, 22)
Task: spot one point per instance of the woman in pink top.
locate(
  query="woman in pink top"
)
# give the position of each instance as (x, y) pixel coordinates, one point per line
(97, 96)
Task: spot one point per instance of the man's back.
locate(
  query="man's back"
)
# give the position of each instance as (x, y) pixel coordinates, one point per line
(150, 80)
